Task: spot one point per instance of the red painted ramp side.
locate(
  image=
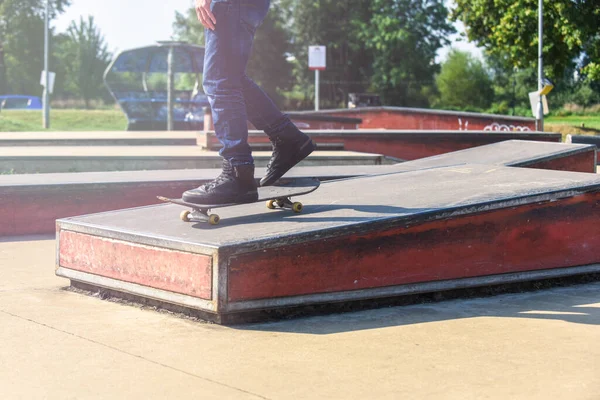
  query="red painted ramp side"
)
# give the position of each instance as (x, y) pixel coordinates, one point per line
(155, 267)
(34, 210)
(414, 147)
(556, 234)
(582, 162)
(407, 145)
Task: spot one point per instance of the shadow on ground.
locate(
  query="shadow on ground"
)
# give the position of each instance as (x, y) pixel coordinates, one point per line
(311, 213)
(577, 303)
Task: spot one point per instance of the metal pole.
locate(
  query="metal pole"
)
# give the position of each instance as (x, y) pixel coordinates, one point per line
(540, 116)
(46, 97)
(170, 93)
(317, 81)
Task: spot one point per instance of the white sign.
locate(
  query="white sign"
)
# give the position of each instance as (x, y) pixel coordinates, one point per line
(534, 99)
(51, 78)
(317, 57)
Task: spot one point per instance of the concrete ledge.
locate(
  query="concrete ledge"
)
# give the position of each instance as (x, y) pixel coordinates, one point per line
(520, 153)
(403, 145)
(584, 139)
(361, 238)
(175, 138)
(32, 160)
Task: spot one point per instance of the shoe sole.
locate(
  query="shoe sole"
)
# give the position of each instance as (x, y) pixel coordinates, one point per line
(305, 150)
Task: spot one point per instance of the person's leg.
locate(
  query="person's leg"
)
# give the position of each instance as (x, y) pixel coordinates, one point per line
(290, 145)
(227, 52)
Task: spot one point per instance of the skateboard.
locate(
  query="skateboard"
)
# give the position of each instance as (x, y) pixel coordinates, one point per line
(276, 197)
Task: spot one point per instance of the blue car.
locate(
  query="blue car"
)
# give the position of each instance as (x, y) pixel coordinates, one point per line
(18, 102)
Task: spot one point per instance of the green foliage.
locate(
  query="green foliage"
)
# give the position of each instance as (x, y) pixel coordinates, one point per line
(187, 28)
(507, 29)
(588, 121)
(511, 87)
(84, 57)
(64, 120)
(333, 24)
(592, 70)
(404, 37)
(268, 65)
(21, 43)
(463, 82)
(585, 96)
(385, 46)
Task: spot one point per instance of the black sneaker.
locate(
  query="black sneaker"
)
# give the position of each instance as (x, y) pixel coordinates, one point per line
(234, 185)
(287, 152)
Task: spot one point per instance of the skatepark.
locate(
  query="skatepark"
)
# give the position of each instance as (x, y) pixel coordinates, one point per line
(474, 268)
(428, 215)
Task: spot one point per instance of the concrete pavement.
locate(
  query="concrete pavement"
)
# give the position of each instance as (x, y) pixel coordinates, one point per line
(57, 344)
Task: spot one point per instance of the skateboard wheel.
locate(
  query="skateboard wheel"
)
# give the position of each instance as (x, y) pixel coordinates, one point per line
(214, 219)
(185, 216)
(297, 207)
(281, 203)
(271, 204)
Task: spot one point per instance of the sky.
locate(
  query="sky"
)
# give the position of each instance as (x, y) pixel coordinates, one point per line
(126, 23)
(134, 23)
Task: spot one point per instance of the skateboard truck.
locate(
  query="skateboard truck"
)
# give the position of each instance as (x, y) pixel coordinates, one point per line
(201, 214)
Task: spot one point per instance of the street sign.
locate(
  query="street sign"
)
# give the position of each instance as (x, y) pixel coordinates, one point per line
(534, 99)
(51, 78)
(317, 58)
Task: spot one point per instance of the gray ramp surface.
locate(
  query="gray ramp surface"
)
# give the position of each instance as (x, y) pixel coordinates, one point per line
(512, 153)
(344, 206)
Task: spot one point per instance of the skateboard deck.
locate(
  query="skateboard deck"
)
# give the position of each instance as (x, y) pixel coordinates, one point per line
(278, 196)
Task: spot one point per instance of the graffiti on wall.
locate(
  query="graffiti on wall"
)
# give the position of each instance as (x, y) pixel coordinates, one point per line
(495, 127)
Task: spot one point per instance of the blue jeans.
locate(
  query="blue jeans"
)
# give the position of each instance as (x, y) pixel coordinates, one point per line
(233, 96)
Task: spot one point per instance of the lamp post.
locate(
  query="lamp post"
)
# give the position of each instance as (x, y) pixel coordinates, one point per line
(46, 100)
(170, 88)
(540, 110)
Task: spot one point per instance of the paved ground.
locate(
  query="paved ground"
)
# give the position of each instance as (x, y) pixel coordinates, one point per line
(56, 344)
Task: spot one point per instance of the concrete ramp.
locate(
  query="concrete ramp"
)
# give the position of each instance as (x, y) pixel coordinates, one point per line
(517, 153)
(358, 239)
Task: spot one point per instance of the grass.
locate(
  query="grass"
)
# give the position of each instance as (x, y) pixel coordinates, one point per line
(64, 120)
(115, 120)
(590, 121)
(573, 124)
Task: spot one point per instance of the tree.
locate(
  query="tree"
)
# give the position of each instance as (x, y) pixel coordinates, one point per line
(268, 65)
(404, 37)
(507, 29)
(585, 96)
(22, 44)
(85, 57)
(463, 82)
(334, 24)
(511, 87)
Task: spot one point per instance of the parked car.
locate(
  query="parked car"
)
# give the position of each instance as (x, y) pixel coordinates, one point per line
(18, 102)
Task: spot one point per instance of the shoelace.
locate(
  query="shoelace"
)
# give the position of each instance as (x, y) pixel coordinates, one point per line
(223, 177)
(218, 180)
